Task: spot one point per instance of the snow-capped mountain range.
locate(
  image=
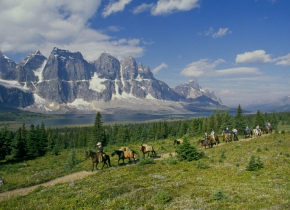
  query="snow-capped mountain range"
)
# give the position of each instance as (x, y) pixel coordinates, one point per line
(66, 83)
(268, 105)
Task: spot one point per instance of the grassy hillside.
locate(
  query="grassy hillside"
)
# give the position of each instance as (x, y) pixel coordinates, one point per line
(220, 180)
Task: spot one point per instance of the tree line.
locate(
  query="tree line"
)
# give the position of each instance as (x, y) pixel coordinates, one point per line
(38, 140)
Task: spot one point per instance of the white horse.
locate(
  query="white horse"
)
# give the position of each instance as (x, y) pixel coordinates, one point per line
(257, 132)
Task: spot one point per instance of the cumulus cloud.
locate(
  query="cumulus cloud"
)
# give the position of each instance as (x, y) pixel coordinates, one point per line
(115, 7)
(165, 7)
(222, 32)
(204, 67)
(201, 67)
(257, 56)
(283, 60)
(28, 25)
(238, 70)
(158, 68)
(143, 8)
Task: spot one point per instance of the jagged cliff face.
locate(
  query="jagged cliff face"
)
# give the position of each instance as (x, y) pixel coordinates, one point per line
(66, 81)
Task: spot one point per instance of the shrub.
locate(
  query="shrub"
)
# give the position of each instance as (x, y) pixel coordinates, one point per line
(186, 152)
(202, 165)
(162, 197)
(71, 161)
(255, 164)
(144, 161)
(219, 195)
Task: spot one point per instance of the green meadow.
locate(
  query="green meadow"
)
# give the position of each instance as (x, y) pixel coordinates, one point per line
(252, 174)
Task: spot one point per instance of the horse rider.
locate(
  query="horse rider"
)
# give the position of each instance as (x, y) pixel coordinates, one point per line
(212, 134)
(227, 131)
(268, 125)
(258, 128)
(248, 129)
(235, 133)
(206, 140)
(100, 151)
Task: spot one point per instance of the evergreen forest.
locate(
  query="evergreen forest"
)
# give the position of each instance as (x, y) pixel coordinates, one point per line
(28, 142)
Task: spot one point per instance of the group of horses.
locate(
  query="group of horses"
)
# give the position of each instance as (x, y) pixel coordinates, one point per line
(122, 155)
(257, 132)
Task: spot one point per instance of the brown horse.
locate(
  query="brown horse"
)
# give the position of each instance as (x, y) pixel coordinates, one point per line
(215, 140)
(144, 148)
(267, 131)
(177, 142)
(226, 137)
(204, 143)
(125, 155)
(95, 159)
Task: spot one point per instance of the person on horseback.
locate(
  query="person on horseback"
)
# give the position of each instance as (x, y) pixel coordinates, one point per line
(258, 128)
(100, 151)
(268, 125)
(235, 133)
(206, 140)
(227, 131)
(248, 129)
(212, 134)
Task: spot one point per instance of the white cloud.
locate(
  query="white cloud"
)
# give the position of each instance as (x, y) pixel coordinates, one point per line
(283, 60)
(208, 32)
(164, 7)
(222, 32)
(28, 25)
(257, 56)
(158, 68)
(201, 67)
(238, 70)
(143, 8)
(115, 7)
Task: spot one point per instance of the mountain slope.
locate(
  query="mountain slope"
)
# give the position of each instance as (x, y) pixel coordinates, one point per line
(66, 83)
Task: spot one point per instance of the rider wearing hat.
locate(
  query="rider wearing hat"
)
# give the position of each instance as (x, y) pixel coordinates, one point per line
(100, 151)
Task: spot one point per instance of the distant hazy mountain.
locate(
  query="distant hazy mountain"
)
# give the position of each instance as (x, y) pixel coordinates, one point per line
(266, 105)
(66, 83)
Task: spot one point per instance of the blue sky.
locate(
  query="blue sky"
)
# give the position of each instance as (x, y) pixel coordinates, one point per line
(240, 49)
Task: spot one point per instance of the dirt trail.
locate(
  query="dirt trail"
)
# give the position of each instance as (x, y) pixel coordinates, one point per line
(26, 190)
(73, 177)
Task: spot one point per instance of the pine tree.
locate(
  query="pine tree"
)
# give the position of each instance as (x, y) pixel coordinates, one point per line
(218, 121)
(97, 132)
(259, 120)
(227, 121)
(31, 142)
(239, 120)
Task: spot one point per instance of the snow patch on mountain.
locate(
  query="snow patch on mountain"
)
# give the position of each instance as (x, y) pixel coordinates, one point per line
(12, 84)
(79, 104)
(96, 83)
(38, 72)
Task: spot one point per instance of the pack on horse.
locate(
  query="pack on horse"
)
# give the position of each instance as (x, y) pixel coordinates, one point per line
(144, 148)
(226, 137)
(248, 133)
(177, 142)
(96, 159)
(127, 154)
(268, 130)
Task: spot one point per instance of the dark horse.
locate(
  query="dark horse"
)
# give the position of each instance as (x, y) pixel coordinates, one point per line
(95, 159)
(266, 130)
(177, 142)
(147, 149)
(205, 143)
(248, 134)
(122, 155)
